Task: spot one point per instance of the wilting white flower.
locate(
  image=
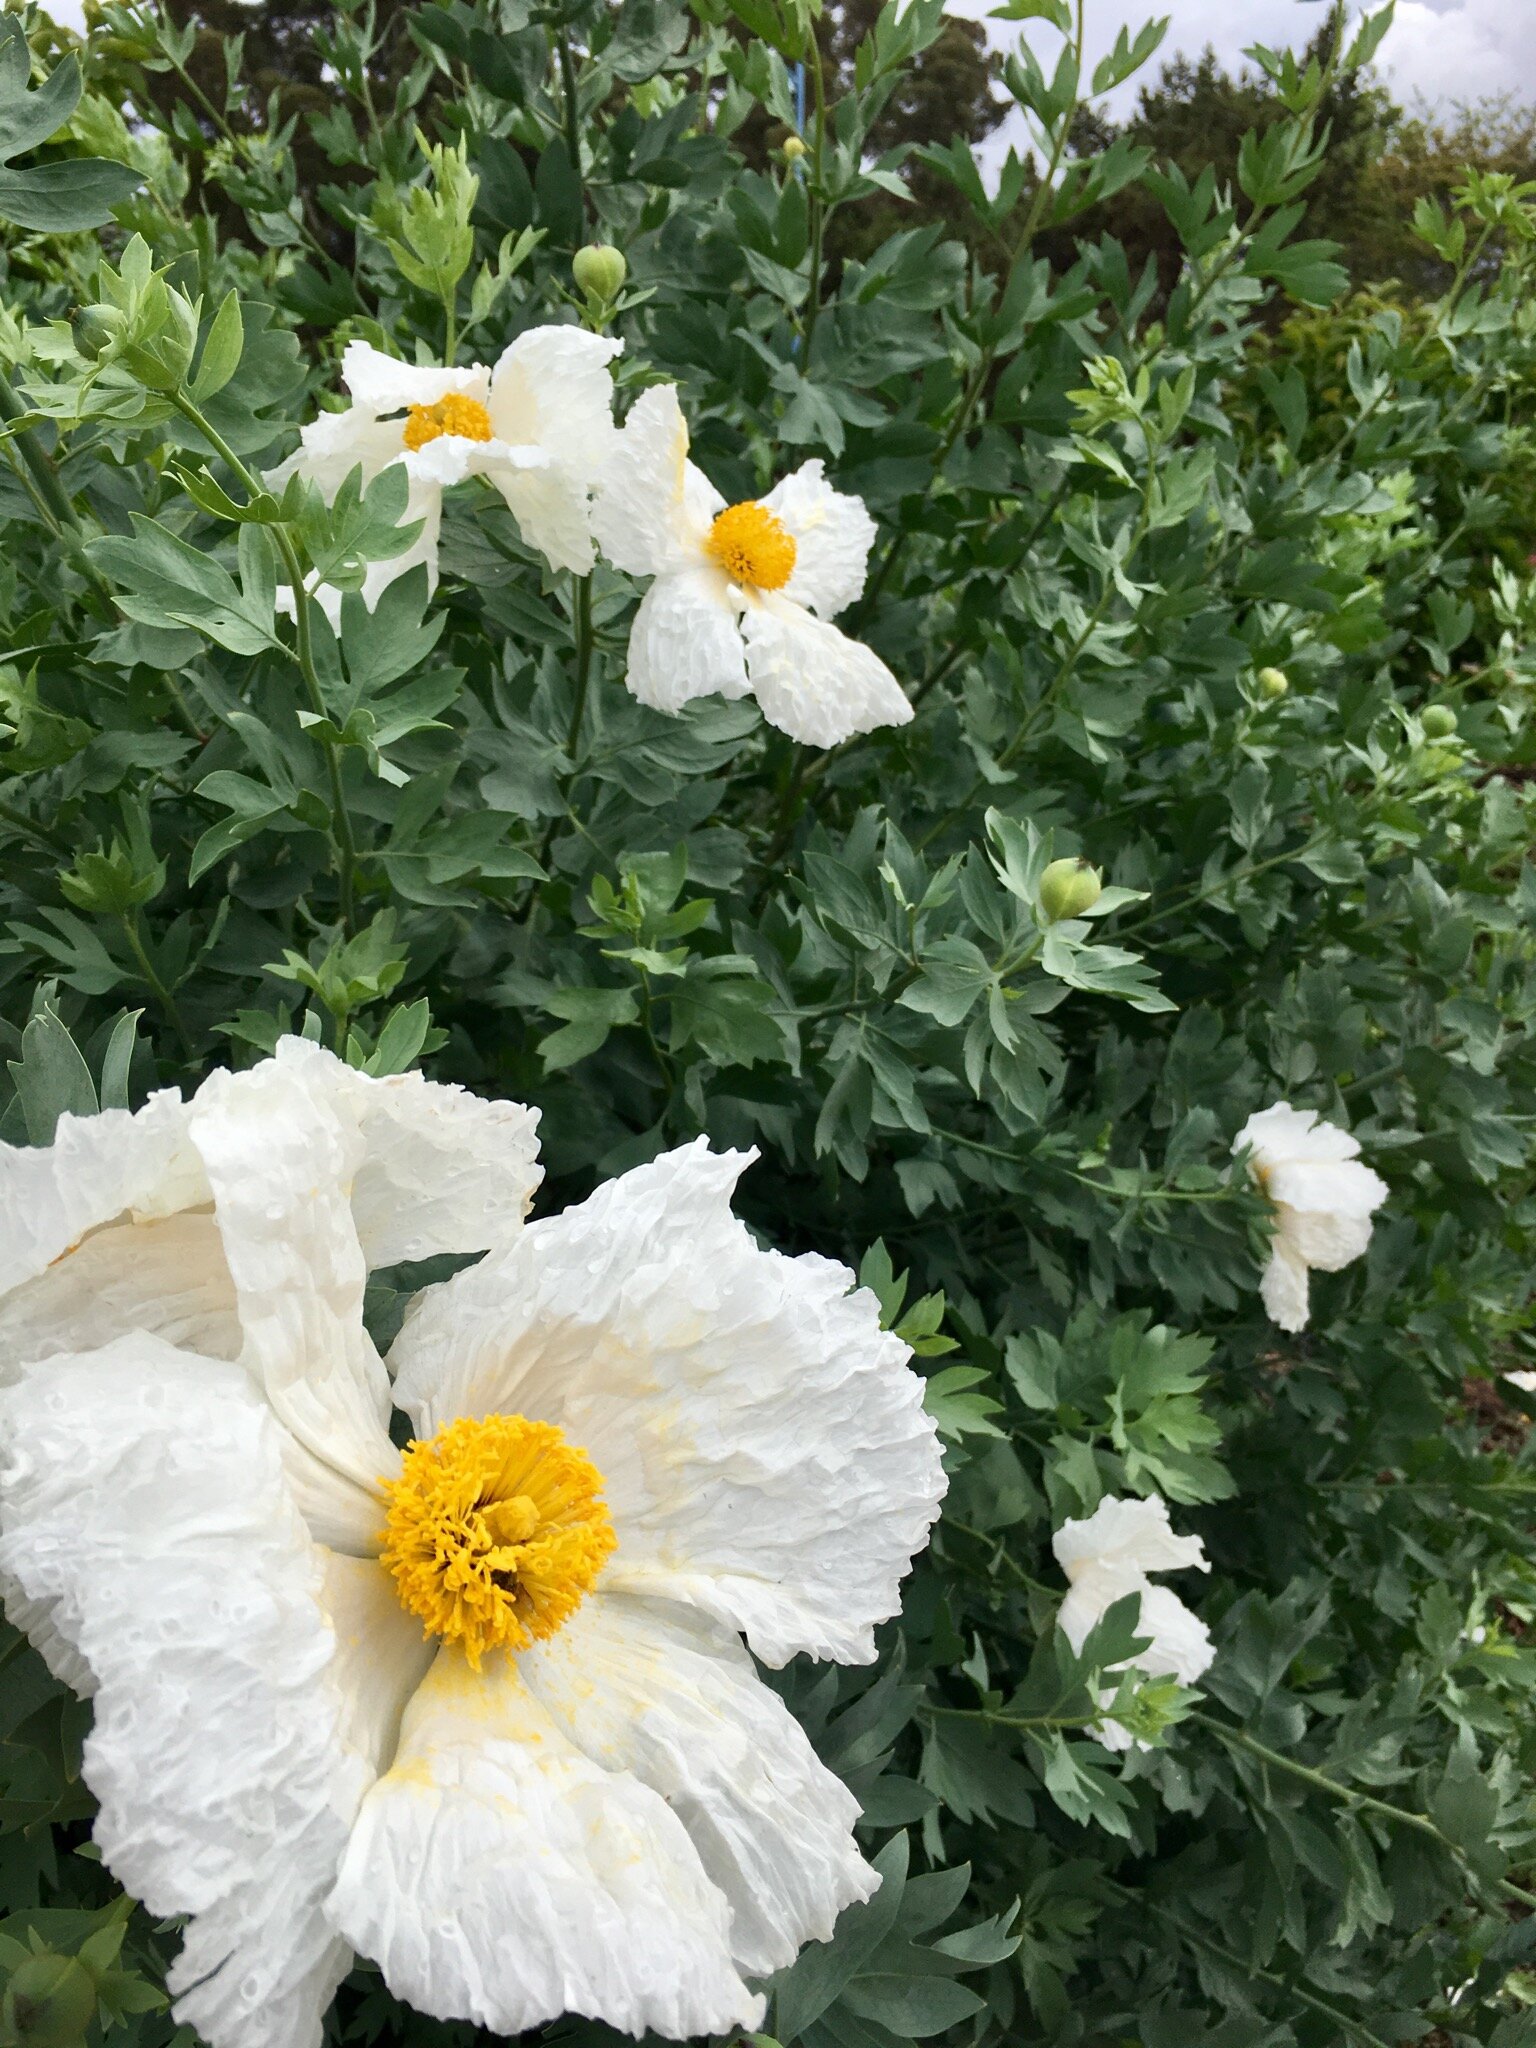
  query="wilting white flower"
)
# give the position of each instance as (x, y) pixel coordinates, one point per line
(539, 425)
(1107, 1557)
(743, 593)
(479, 1710)
(1323, 1201)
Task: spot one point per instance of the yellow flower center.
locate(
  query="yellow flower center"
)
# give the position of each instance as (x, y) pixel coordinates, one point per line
(496, 1532)
(752, 545)
(455, 414)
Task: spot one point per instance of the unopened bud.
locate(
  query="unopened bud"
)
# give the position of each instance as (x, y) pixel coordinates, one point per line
(1273, 682)
(96, 330)
(600, 270)
(1438, 721)
(1068, 888)
(49, 2002)
(794, 149)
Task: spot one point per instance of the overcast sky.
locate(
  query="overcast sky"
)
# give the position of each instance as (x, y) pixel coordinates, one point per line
(1441, 50)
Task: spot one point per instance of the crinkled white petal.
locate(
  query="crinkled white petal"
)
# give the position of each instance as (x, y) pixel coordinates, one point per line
(833, 535)
(142, 1502)
(653, 508)
(685, 641)
(1283, 1288)
(553, 389)
(442, 1170)
(812, 681)
(1324, 1238)
(334, 444)
(380, 383)
(98, 1168)
(650, 1687)
(1281, 1132)
(280, 1162)
(1181, 1645)
(1133, 1535)
(382, 1656)
(553, 510)
(763, 1444)
(168, 1277)
(448, 459)
(497, 1875)
(1342, 1186)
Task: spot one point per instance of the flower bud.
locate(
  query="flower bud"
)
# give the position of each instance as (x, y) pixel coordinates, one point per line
(1068, 888)
(95, 331)
(49, 2002)
(1438, 721)
(794, 149)
(600, 270)
(1273, 682)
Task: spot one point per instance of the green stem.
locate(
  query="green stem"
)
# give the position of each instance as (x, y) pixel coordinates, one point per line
(155, 985)
(581, 616)
(343, 837)
(572, 111)
(817, 201)
(43, 834)
(50, 495)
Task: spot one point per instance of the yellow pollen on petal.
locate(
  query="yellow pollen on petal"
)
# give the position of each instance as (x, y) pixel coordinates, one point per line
(455, 414)
(752, 545)
(495, 1533)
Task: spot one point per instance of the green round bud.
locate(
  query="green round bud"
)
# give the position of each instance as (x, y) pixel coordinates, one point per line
(1273, 682)
(49, 2002)
(1068, 888)
(600, 270)
(1438, 721)
(95, 331)
(794, 149)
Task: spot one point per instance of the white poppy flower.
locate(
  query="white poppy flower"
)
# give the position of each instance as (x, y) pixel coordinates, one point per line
(479, 1710)
(743, 593)
(1323, 1200)
(1107, 1557)
(539, 425)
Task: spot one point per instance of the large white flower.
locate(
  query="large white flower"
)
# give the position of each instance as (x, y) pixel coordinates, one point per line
(744, 593)
(479, 1710)
(1107, 1557)
(1323, 1201)
(539, 425)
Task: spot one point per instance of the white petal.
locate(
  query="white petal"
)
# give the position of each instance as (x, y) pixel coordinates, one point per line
(280, 1162)
(553, 389)
(833, 536)
(1283, 1288)
(97, 1169)
(168, 1277)
(812, 681)
(496, 1875)
(449, 458)
(1126, 1535)
(653, 508)
(1343, 1186)
(1323, 1238)
(379, 383)
(382, 1655)
(442, 1170)
(1181, 1645)
(649, 1687)
(1281, 1132)
(336, 443)
(553, 510)
(1525, 1381)
(142, 1500)
(763, 1444)
(685, 641)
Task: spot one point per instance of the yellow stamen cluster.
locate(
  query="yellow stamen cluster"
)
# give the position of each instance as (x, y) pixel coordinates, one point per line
(752, 545)
(496, 1532)
(455, 414)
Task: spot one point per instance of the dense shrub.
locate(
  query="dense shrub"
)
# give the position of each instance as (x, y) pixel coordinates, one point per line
(1241, 617)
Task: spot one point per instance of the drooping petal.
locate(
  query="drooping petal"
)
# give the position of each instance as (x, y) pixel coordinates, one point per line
(1343, 1186)
(168, 1277)
(763, 1444)
(334, 444)
(143, 1507)
(442, 1170)
(812, 681)
(97, 1169)
(450, 458)
(280, 1162)
(1281, 1132)
(1326, 1239)
(497, 1875)
(685, 641)
(656, 1689)
(381, 383)
(833, 536)
(1283, 1288)
(553, 389)
(1133, 1535)
(381, 1656)
(553, 511)
(653, 508)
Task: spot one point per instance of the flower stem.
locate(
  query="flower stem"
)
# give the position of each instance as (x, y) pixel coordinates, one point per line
(581, 616)
(571, 108)
(154, 983)
(344, 840)
(817, 202)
